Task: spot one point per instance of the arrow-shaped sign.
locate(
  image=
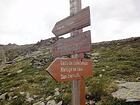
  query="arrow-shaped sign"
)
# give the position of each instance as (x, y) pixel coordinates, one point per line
(71, 23)
(72, 45)
(66, 69)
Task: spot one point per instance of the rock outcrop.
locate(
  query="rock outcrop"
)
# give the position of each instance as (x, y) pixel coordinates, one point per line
(130, 91)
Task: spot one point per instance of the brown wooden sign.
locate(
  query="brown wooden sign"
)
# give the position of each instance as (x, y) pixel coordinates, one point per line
(67, 69)
(80, 20)
(72, 45)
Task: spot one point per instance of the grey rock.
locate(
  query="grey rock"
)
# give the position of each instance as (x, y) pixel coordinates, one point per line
(27, 95)
(91, 102)
(95, 54)
(57, 89)
(138, 78)
(39, 103)
(100, 75)
(15, 97)
(48, 98)
(3, 96)
(60, 103)
(29, 99)
(103, 70)
(51, 102)
(22, 93)
(57, 93)
(19, 71)
(129, 91)
(9, 74)
(35, 96)
(95, 61)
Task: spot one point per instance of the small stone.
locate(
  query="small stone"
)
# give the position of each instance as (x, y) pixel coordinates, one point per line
(51, 102)
(27, 95)
(138, 78)
(57, 93)
(100, 75)
(57, 89)
(60, 103)
(91, 102)
(41, 99)
(22, 93)
(95, 61)
(35, 96)
(17, 87)
(117, 81)
(103, 70)
(3, 96)
(29, 99)
(12, 89)
(39, 103)
(10, 98)
(19, 71)
(87, 103)
(107, 66)
(48, 98)
(15, 97)
(24, 80)
(8, 74)
(95, 54)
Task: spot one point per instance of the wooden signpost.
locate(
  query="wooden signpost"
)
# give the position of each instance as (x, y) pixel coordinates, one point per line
(71, 23)
(72, 45)
(67, 69)
(76, 68)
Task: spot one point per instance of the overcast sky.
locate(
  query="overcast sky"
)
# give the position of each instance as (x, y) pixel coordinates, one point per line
(29, 21)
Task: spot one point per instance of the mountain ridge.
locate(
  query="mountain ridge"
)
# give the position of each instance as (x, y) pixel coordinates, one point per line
(24, 80)
(11, 51)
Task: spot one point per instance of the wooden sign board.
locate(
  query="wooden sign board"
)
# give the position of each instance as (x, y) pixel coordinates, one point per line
(72, 45)
(67, 69)
(80, 20)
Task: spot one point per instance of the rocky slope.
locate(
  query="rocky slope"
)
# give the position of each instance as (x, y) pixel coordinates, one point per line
(24, 81)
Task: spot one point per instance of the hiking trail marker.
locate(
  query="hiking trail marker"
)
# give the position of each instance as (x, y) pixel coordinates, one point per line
(71, 23)
(67, 69)
(76, 68)
(72, 45)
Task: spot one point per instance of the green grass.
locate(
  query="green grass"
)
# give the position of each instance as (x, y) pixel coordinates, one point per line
(113, 62)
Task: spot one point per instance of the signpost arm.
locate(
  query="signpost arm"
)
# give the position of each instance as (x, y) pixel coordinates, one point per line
(75, 6)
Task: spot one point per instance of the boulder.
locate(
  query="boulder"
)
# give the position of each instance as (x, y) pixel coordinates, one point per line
(130, 91)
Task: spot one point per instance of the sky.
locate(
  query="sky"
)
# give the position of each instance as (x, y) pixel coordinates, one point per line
(29, 21)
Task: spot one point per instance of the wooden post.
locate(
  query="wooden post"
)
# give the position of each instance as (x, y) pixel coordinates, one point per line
(78, 87)
(82, 92)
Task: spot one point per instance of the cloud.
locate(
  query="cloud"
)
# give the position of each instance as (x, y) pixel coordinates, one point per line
(34, 18)
(28, 21)
(115, 19)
